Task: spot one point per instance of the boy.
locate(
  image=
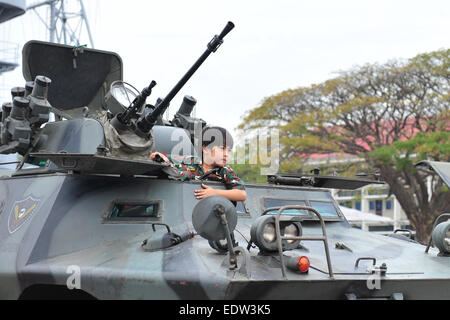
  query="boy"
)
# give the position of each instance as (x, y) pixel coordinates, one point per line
(216, 149)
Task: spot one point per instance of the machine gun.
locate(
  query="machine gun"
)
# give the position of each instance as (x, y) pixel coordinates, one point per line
(146, 123)
(126, 121)
(131, 134)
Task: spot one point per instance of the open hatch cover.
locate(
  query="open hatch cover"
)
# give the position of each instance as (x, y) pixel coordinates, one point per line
(330, 182)
(80, 76)
(97, 164)
(441, 168)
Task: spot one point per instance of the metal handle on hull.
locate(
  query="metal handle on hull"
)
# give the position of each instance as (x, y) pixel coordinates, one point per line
(324, 238)
(365, 258)
(405, 230)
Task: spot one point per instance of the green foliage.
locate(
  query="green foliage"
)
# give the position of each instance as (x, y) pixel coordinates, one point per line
(403, 154)
(245, 168)
(366, 109)
(249, 173)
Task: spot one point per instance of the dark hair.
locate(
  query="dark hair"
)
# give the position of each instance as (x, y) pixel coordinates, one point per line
(216, 136)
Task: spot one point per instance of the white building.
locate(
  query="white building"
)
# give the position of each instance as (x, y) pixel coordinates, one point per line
(369, 199)
(374, 199)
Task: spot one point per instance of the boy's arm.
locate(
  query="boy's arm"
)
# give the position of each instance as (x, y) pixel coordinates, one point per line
(174, 170)
(235, 186)
(232, 195)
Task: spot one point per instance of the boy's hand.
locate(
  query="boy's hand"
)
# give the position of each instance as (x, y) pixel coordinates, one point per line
(155, 156)
(206, 192)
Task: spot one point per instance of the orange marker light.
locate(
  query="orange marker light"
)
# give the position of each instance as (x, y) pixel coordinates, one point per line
(303, 264)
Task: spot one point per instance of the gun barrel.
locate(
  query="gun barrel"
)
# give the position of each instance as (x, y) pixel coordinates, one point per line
(146, 124)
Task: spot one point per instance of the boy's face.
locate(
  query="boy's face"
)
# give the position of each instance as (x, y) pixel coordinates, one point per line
(217, 156)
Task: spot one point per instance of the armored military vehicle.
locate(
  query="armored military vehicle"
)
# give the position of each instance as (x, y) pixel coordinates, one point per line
(93, 217)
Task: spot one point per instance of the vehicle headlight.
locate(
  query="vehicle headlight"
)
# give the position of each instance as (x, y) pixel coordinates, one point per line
(269, 233)
(291, 230)
(263, 233)
(441, 238)
(121, 94)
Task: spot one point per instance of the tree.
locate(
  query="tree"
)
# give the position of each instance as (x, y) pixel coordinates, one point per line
(396, 164)
(249, 173)
(400, 106)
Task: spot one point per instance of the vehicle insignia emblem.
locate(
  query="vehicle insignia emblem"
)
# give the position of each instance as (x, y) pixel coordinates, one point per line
(20, 213)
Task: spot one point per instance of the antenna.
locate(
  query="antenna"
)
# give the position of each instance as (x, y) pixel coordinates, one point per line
(66, 21)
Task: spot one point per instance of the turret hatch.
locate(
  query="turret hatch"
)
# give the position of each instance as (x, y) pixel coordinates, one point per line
(80, 77)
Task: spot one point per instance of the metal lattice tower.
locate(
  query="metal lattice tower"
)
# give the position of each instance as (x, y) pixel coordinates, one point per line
(65, 22)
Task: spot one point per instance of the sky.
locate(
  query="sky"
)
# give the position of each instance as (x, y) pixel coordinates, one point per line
(275, 45)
